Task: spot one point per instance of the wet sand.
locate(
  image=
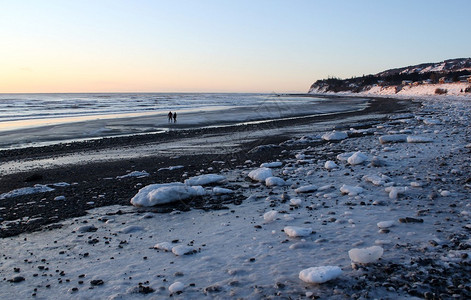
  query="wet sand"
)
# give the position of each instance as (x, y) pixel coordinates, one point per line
(91, 167)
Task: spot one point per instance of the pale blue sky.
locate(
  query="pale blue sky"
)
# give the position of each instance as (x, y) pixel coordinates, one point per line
(219, 46)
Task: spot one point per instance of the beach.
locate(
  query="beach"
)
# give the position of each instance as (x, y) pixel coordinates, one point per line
(68, 227)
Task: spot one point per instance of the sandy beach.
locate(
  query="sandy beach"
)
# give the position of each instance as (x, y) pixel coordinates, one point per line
(393, 176)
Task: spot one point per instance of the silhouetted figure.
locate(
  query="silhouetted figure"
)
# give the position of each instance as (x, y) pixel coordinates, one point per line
(175, 117)
(169, 116)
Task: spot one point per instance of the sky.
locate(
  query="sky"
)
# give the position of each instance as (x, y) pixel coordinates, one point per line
(218, 45)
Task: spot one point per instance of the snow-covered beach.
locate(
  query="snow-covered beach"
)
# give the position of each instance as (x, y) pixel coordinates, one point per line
(357, 206)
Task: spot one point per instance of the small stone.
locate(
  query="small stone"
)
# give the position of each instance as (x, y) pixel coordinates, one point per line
(96, 282)
(17, 279)
(212, 289)
(410, 220)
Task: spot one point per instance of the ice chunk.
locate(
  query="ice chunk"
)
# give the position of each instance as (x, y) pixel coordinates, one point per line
(335, 136)
(275, 181)
(270, 216)
(415, 184)
(385, 224)
(329, 165)
(394, 191)
(419, 139)
(294, 231)
(204, 179)
(38, 188)
(260, 174)
(176, 287)
(182, 250)
(320, 274)
(156, 194)
(166, 246)
(306, 189)
(86, 228)
(357, 158)
(344, 156)
(374, 179)
(295, 202)
(221, 191)
(275, 164)
(171, 168)
(134, 174)
(351, 190)
(365, 255)
(445, 193)
(393, 138)
(429, 121)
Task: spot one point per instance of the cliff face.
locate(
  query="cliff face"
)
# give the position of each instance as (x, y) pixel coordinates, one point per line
(393, 81)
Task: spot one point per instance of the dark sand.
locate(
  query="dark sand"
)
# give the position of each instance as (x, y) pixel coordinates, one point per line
(96, 180)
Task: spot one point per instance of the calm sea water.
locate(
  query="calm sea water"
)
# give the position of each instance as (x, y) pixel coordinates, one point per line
(33, 119)
(40, 106)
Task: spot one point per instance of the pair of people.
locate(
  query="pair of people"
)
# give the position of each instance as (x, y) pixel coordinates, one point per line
(172, 115)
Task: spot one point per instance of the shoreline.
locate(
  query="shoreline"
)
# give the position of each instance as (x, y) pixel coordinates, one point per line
(376, 105)
(41, 132)
(89, 172)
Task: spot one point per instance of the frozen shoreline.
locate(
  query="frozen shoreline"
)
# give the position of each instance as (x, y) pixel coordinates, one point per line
(242, 253)
(40, 132)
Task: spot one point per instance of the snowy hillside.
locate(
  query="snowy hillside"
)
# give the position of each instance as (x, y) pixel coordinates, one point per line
(450, 65)
(450, 77)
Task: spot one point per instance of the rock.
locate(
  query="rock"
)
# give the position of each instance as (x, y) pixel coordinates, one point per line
(145, 289)
(212, 289)
(410, 220)
(377, 162)
(17, 279)
(34, 177)
(393, 138)
(96, 282)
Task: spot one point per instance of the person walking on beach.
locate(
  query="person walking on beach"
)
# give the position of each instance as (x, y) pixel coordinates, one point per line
(169, 116)
(175, 117)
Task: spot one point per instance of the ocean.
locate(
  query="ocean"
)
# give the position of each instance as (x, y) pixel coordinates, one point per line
(41, 119)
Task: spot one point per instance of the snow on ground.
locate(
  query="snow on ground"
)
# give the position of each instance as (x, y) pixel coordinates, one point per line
(423, 91)
(407, 216)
